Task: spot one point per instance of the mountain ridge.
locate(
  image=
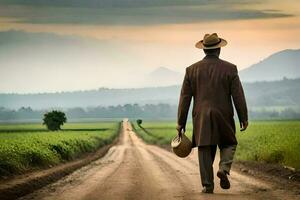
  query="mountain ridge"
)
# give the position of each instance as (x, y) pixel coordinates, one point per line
(285, 63)
(163, 76)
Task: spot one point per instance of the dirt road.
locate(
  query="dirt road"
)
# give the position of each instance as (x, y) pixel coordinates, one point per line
(134, 170)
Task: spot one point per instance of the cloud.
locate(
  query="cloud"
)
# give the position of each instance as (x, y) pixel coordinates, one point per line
(134, 12)
(52, 62)
(124, 3)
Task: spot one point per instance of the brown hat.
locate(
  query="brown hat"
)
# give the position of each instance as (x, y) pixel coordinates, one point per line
(181, 146)
(211, 41)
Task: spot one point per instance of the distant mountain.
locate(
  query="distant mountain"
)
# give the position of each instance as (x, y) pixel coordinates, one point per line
(282, 64)
(100, 97)
(163, 76)
(284, 93)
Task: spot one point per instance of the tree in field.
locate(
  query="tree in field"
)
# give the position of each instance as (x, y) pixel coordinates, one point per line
(54, 119)
(139, 122)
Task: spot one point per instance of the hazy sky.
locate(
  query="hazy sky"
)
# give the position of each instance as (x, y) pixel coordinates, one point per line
(137, 37)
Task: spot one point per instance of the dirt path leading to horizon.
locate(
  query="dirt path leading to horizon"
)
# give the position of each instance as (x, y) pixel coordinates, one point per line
(135, 170)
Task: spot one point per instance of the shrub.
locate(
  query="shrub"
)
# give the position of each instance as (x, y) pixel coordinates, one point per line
(139, 122)
(54, 120)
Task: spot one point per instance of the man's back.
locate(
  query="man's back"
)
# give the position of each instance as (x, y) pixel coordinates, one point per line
(212, 83)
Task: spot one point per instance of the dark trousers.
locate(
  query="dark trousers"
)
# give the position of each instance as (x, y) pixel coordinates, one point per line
(206, 156)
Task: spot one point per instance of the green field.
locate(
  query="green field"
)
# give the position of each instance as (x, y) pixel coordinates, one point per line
(159, 132)
(264, 141)
(25, 147)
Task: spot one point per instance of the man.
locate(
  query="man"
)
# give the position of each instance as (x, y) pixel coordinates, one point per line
(213, 84)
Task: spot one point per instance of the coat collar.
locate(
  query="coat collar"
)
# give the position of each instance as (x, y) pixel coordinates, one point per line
(211, 57)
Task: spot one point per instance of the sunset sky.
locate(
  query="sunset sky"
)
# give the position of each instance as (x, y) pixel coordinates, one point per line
(142, 36)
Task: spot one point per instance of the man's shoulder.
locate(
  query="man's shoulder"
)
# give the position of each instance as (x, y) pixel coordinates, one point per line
(227, 64)
(220, 61)
(194, 65)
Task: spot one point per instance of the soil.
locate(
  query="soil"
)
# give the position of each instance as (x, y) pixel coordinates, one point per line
(286, 178)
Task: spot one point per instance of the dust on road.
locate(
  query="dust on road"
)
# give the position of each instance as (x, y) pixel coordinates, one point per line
(135, 170)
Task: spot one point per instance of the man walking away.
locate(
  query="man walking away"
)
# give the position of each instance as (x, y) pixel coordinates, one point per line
(213, 84)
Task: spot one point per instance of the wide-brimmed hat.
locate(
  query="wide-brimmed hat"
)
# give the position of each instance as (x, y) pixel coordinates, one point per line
(181, 146)
(211, 41)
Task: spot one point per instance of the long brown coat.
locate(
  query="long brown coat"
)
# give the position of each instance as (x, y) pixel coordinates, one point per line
(213, 84)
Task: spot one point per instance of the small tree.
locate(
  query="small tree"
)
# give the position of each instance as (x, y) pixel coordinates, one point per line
(54, 119)
(139, 122)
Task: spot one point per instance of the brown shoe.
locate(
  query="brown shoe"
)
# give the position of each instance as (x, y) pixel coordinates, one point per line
(224, 182)
(207, 190)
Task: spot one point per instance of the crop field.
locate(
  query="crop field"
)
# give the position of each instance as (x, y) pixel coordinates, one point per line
(264, 141)
(159, 132)
(25, 147)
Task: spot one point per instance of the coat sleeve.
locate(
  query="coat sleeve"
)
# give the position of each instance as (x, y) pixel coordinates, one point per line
(238, 97)
(184, 101)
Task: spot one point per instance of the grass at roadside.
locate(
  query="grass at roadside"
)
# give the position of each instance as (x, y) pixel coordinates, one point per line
(28, 146)
(264, 141)
(161, 133)
(271, 142)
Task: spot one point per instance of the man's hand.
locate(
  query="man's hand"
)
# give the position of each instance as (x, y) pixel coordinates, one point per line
(180, 130)
(244, 125)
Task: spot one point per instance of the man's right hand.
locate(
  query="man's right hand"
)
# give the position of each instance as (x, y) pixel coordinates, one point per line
(244, 125)
(180, 130)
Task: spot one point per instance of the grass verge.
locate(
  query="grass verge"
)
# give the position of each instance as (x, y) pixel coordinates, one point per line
(264, 141)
